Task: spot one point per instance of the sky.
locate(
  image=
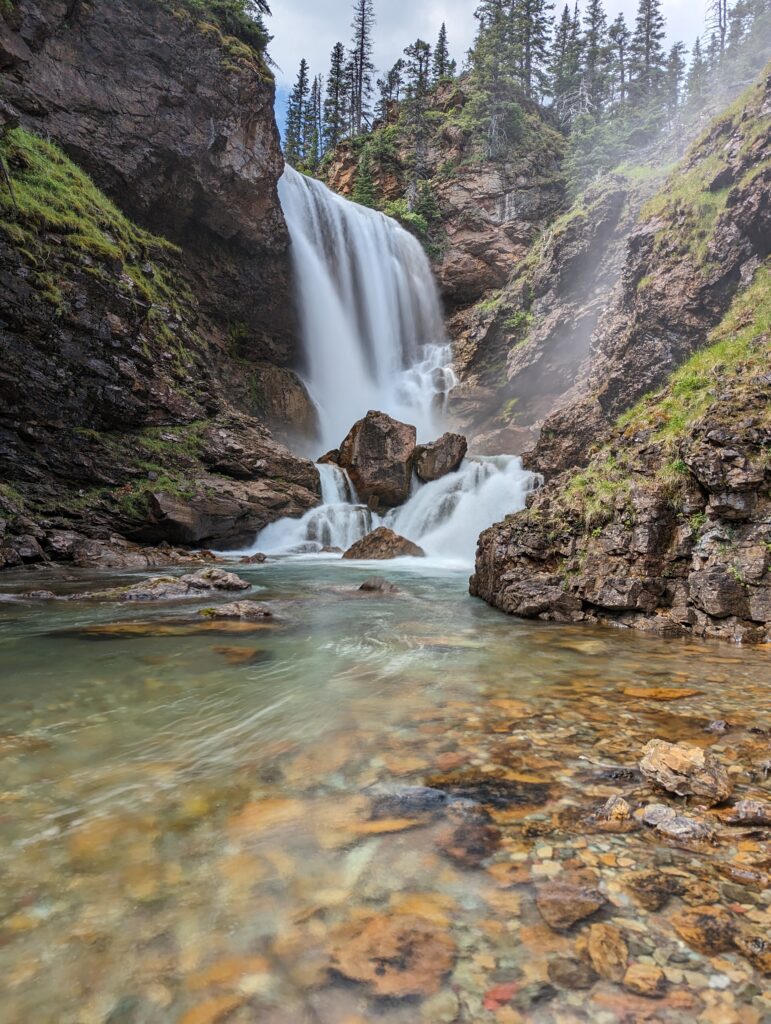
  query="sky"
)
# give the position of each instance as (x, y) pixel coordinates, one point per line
(310, 28)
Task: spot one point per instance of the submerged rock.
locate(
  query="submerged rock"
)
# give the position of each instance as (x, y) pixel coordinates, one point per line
(378, 455)
(435, 460)
(169, 588)
(608, 951)
(686, 771)
(565, 901)
(246, 611)
(400, 955)
(378, 585)
(383, 544)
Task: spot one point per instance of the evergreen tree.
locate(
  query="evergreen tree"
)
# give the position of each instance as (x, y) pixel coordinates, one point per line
(674, 76)
(717, 21)
(596, 55)
(443, 66)
(335, 101)
(619, 38)
(495, 77)
(696, 82)
(294, 142)
(530, 29)
(364, 192)
(390, 90)
(565, 65)
(418, 84)
(313, 128)
(646, 52)
(361, 62)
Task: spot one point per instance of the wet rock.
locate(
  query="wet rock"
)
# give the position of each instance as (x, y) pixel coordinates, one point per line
(563, 902)
(708, 929)
(675, 826)
(435, 460)
(246, 611)
(378, 585)
(383, 544)
(660, 693)
(608, 951)
(378, 455)
(645, 980)
(749, 812)
(718, 593)
(756, 948)
(242, 655)
(168, 588)
(258, 559)
(397, 956)
(495, 789)
(651, 889)
(469, 838)
(574, 975)
(686, 771)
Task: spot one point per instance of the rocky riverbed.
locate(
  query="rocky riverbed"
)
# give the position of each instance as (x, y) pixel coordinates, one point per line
(437, 816)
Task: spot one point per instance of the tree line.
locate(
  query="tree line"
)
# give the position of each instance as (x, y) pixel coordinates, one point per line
(609, 86)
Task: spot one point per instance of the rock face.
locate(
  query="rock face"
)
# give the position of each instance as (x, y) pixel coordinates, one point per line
(686, 771)
(378, 454)
(176, 123)
(137, 371)
(435, 460)
(383, 544)
(667, 529)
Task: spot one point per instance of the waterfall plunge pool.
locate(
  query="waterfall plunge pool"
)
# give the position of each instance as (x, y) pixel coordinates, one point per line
(204, 827)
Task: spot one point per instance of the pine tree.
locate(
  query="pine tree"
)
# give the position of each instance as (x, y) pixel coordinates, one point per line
(313, 129)
(565, 66)
(294, 143)
(362, 66)
(696, 82)
(674, 76)
(390, 90)
(335, 101)
(619, 38)
(646, 52)
(443, 66)
(495, 76)
(596, 54)
(418, 84)
(364, 192)
(717, 21)
(530, 28)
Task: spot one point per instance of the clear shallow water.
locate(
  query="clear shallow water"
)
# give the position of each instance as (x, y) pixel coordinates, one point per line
(193, 823)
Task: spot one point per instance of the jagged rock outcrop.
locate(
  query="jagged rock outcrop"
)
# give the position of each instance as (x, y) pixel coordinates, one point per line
(378, 455)
(138, 371)
(669, 528)
(435, 460)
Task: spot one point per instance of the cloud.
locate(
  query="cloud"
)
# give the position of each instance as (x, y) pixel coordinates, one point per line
(310, 28)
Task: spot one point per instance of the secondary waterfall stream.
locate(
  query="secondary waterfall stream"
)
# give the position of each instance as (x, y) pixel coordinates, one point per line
(374, 338)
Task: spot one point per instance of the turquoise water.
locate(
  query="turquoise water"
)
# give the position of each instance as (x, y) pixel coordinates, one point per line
(194, 821)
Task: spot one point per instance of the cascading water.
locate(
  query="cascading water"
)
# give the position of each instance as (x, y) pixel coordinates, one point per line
(375, 339)
(371, 319)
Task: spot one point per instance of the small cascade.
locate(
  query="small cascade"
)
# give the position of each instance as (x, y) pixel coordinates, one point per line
(370, 313)
(444, 517)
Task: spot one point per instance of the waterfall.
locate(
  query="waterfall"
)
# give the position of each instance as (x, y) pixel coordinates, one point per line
(370, 314)
(444, 517)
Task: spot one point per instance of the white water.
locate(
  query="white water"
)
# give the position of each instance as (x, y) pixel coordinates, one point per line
(374, 339)
(371, 320)
(444, 517)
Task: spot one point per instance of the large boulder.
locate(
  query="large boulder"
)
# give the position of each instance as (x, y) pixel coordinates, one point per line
(435, 460)
(382, 544)
(378, 454)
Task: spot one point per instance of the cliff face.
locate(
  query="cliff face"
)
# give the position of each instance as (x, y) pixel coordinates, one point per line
(669, 527)
(618, 292)
(138, 369)
(480, 216)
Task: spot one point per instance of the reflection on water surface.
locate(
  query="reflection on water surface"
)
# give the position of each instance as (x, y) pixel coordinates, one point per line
(224, 824)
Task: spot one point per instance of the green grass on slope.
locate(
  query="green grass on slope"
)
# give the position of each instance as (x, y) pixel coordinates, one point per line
(58, 217)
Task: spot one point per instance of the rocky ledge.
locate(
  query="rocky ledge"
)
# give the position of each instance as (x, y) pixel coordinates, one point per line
(669, 527)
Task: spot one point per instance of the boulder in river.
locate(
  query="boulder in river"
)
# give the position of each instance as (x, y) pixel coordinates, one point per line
(435, 460)
(169, 588)
(378, 585)
(382, 544)
(378, 454)
(686, 771)
(245, 611)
